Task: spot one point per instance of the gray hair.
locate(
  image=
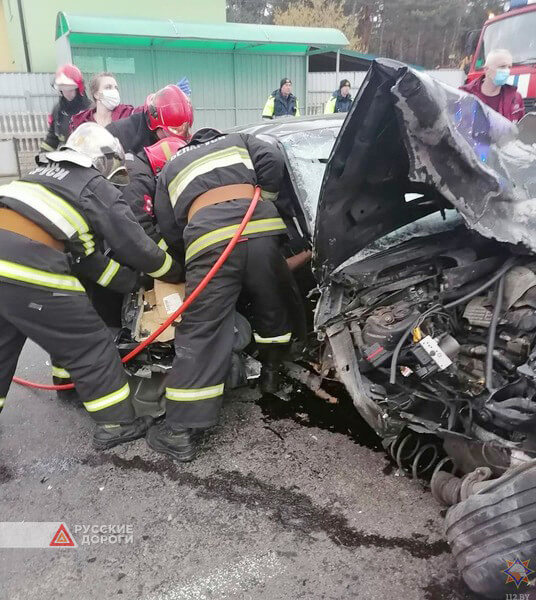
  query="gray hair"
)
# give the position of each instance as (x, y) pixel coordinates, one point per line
(493, 54)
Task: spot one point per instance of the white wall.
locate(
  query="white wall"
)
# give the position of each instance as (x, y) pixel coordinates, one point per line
(320, 86)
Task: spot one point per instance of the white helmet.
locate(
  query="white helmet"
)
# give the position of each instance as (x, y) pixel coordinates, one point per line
(91, 145)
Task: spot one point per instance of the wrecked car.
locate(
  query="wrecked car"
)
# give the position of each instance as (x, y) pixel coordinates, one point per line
(425, 259)
(420, 208)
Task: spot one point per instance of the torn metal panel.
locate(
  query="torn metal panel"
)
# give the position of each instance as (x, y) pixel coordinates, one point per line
(410, 147)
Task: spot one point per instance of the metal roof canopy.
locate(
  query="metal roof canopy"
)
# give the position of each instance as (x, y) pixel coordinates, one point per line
(243, 37)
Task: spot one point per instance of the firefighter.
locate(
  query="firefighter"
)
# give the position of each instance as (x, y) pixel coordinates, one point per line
(341, 100)
(281, 102)
(59, 211)
(201, 198)
(163, 116)
(69, 82)
(143, 169)
(138, 194)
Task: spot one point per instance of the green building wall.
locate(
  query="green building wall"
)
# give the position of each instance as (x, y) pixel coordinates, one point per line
(39, 18)
(228, 88)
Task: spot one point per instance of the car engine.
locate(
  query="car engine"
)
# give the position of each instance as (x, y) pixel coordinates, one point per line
(445, 327)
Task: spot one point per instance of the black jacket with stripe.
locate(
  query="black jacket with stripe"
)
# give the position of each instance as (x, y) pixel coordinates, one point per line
(140, 191)
(235, 158)
(133, 132)
(60, 118)
(77, 206)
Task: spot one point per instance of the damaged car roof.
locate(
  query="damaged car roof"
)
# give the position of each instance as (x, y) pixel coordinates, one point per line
(411, 146)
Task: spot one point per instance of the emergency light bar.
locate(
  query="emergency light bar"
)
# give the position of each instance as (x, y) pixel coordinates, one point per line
(513, 4)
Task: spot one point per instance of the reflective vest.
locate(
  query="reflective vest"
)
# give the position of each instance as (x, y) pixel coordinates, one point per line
(338, 104)
(278, 106)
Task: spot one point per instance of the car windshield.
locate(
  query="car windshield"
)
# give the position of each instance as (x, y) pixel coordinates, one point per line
(515, 34)
(308, 152)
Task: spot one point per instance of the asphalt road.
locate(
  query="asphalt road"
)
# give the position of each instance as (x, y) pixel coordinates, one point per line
(277, 506)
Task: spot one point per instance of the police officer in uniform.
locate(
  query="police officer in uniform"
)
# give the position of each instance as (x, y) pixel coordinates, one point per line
(202, 196)
(164, 114)
(341, 100)
(281, 102)
(61, 210)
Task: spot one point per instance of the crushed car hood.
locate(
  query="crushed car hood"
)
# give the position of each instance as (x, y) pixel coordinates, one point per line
(411, 146)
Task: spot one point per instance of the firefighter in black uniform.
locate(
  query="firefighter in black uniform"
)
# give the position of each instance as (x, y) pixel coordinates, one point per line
(202, 196)
(164, 115)
(60, 211)
(69, 82)
(138, 194)
(143, 169)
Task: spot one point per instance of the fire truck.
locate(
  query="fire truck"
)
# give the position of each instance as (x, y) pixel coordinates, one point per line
(514, 30)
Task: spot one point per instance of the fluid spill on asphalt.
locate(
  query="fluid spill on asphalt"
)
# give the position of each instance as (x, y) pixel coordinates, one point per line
(288, 507)
(305, 408)
(6, 474)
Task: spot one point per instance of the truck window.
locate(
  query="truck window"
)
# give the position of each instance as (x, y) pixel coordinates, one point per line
(515, 33)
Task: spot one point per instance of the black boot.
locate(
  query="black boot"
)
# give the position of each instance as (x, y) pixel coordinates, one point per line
(269, 381)
(178, 443)
(271, 358)
(111, 434)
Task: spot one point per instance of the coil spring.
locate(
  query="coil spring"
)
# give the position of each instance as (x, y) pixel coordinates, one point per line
(416, 455)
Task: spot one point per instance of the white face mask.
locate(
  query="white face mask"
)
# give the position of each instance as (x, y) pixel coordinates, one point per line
(110, 99)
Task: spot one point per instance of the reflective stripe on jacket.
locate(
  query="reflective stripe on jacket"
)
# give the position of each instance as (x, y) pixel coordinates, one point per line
(338, 103)
(80, 208)
(278, 106)
(225, 160)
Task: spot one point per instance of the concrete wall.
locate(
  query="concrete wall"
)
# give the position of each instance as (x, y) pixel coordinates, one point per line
(40, 19)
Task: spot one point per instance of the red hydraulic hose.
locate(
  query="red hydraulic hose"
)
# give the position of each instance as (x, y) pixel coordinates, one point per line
(187, 302)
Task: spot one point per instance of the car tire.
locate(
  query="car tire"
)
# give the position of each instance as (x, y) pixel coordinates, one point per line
(496, 525)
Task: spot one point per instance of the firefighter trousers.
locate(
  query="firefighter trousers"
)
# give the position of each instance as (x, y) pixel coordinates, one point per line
(204, 337)
(67, 327)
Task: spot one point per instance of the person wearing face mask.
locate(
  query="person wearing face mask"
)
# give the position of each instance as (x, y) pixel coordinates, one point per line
(104, 90)
(69, 82)
(492, 89)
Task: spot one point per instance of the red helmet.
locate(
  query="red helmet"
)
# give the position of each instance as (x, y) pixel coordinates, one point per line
(169, 108)
(69, 75)
(159, 153)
